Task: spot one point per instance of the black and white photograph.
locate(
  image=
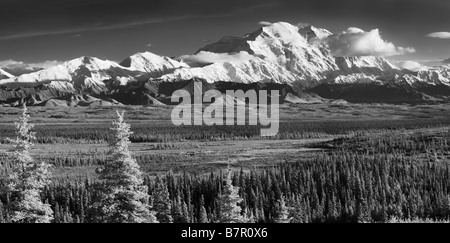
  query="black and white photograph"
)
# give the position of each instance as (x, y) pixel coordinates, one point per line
(205, 114)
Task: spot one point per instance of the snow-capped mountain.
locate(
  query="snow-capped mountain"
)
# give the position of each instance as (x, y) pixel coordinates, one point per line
(81, 73)
(153, 64)
(284, 53)
(255, 70)
(90, 72)
(5, 75)
(432, 76)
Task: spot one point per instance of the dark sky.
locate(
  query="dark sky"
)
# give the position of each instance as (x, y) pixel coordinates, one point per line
(35, 31)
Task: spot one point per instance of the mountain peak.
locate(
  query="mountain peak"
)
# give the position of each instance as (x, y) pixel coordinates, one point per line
(86, 60)
(311, 32)
(151, 63)
(146, 54)
(282, 31)
(279, 33)
(280, 27)
(287, 30)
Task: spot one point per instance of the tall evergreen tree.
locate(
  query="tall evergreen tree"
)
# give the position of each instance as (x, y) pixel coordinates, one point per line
(124, 197)
(27, 178)
(2, 216)
(186, 218)
(57, 214)
(230, 211)
(282, 212)
(177, 211)
(203, 215)
(162, 203)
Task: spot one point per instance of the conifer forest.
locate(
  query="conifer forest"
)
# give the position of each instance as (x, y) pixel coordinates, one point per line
(379, 171)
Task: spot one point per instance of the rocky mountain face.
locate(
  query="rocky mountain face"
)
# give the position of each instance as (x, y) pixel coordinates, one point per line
(297, 61)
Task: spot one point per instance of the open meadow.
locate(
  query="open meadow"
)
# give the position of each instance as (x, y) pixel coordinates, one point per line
(75, 139)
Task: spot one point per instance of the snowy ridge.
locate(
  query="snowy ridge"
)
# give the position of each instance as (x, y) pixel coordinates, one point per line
(82, 72)
(440, 76)
(91, 72)
(242, 72)
(153, 64)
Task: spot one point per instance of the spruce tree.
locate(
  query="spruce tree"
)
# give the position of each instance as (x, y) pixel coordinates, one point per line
(230, 211)
(162, 203)
(186, 215)
(177, 212)
(124, 197)
(27, 178)
(2, 217)
(57, 215)
(282, 212)
(203, 215)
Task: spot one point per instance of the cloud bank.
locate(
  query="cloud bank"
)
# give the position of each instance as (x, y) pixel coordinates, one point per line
(205, 57)
(440, 35)
(264, 23)
(302, 24)
(412, 65)
(17, 68)
(356, 42)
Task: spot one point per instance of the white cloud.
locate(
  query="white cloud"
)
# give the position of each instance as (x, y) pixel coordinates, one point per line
(13, 63)
(302, 24)
(45, 64)
(412, 65)
(205, 57)
(5, 63)
(441, 35)
(18, 67)
(357, 42)
(425, 62)
(149, 45)
(264, 23)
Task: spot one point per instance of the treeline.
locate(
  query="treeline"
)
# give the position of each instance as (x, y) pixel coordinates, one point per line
(165, 132)
(436, 144)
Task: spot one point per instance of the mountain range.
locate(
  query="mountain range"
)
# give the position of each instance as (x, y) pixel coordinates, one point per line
(294, 60)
